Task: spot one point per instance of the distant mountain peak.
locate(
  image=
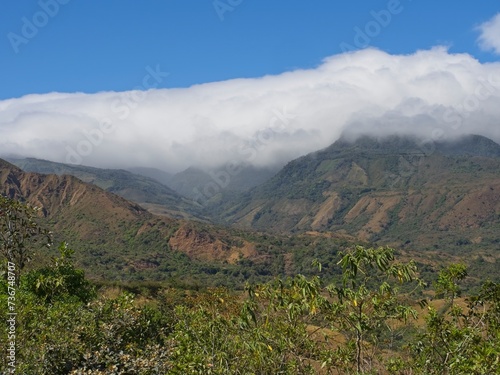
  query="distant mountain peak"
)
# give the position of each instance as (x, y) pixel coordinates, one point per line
(469, 144)
(385, 144)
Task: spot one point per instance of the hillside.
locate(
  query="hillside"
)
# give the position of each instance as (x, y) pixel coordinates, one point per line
(115, 239)
(392, 190)
(94, 221)
(146, 191)
(437, 204)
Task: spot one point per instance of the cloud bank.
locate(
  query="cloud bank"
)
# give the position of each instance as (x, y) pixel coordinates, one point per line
(265, 121)
(489, 39)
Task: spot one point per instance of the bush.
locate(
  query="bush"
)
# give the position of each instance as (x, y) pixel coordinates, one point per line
(60, 280)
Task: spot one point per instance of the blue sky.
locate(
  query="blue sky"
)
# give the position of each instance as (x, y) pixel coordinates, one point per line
(105, 45)
(177, 83)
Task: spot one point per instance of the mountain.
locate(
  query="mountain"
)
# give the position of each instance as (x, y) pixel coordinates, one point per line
(115, 239)
(146, 191)
(205, 185)
(159, 175)
(395, 190)
(106, 229)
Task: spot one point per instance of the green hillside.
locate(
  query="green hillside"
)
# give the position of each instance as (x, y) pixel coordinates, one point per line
(392, 190)
(115, 239)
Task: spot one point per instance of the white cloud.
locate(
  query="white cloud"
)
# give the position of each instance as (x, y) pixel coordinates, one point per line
(489, 40)
(264, 121)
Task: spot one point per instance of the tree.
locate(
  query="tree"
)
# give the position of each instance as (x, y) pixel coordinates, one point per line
(362, 307)
(60, 280)
(448, 281)
(20, 234)
(462, 339)
(367, 299)
(277, 316)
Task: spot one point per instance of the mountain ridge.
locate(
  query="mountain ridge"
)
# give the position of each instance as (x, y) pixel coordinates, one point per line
(383, 190)
(115, 239)
(468, 144)
(147, 192)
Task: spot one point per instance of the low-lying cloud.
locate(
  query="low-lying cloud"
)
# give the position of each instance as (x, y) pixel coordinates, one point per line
(265, 121)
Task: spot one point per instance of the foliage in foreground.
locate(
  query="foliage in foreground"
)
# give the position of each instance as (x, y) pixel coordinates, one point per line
(20, 233)
(289, 326)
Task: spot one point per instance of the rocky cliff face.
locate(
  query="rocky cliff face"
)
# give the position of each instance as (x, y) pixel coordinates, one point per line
(203, 245)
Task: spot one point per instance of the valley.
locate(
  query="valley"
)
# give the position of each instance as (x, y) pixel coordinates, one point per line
(443, 204)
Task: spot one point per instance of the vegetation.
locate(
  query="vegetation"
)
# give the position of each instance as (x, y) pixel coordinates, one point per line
(427, 206)
(287, 326)
(462, 339)
(385, 190)
(342, 310)
(20, 233)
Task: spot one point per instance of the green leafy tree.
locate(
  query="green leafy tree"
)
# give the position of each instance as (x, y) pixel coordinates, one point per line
(221, 334)
(462, 339)
(366, 301)
(20, 234)
(103, 336)
(448, 282)
(60, 280)
(281, 317)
